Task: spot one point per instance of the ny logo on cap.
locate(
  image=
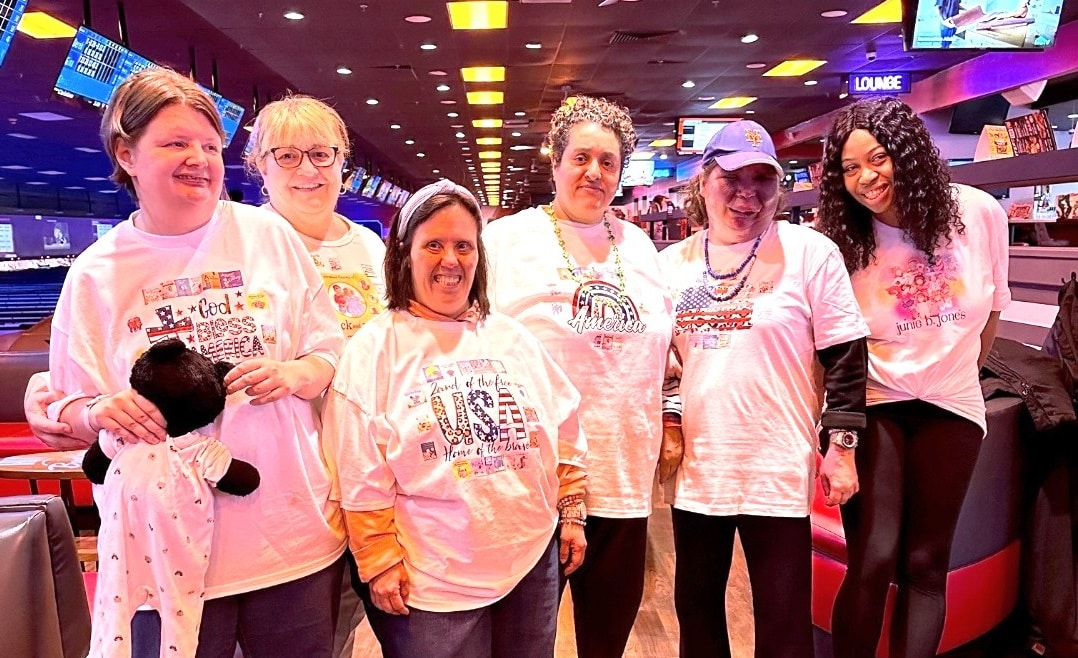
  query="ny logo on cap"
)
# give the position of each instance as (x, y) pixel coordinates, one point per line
(753, 136)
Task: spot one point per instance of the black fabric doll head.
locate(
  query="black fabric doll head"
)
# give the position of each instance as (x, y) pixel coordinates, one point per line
(185, 386)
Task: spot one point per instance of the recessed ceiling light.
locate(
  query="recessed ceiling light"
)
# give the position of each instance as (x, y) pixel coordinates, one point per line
(435, 171)
(428, 46)
(52, 172)
(111, 190)
(466, 148)
(834, 13)
(293, 16)
(437, 72)
(421, 154)
(520, 113)
(688, 84)
(394, 126)
(44, 116)
(409, 142)
(87, 149)
(459, 135)
(478, 15)
(755, 65)
(732, 102)
(810, 83)
(663, 156)
(90, 178)
(794, 67)
(36, 182)
(483, 74)
(40, 25)
(442, 87)
(515, 133)
(372, 101)
(74, 187)
(21, 168)
(793, 161)
(750, 38)
(452, 115)
(750, 111)
(1073, 116)
(888, 11)
(485, 97)
(471, 167)
(521, 147)
(21, 136)
(457, 126)
(417, 18)
(344, 70)
(533, 45)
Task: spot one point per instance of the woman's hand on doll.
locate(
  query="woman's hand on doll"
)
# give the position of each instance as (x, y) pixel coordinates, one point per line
(129, 416)
(35, 404)
(389, 590)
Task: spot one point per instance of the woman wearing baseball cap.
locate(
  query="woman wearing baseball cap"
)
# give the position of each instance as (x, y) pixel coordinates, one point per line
(760, 304)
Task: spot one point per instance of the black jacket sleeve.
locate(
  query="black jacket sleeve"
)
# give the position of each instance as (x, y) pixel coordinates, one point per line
(845, 371)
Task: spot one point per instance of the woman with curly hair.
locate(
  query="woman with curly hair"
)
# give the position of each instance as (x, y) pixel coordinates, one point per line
(588, 285)
(928, 262)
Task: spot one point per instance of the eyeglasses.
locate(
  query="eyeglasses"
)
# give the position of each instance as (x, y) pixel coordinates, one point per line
(290, 157)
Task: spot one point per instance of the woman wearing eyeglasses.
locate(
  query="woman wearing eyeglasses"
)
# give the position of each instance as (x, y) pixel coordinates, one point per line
(300, 145)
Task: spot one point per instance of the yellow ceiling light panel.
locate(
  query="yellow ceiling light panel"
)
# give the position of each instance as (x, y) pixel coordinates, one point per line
(792, 68)
(489, 141)
(490, 155)
(486, 97)
(486, 123)
(483, 74)
(663, 143)
(732, 102)
(888, 11)
(478, 15)
(492, 176)
(494, 166)
(40, 25)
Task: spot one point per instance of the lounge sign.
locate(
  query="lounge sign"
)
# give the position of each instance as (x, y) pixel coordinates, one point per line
(879, 83)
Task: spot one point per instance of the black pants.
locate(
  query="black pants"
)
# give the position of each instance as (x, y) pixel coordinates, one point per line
(778, 553)
(608, 586)
(914, 467)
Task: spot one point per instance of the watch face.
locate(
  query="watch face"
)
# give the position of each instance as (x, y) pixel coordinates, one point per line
(845, 439)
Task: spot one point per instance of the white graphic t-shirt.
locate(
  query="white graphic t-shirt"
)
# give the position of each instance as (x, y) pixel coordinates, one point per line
(926, 319)
(240, 287)
(351, 267)
(750, 385)
(459, 427)
(613, 348)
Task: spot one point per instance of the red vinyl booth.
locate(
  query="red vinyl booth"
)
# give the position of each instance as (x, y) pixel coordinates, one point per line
(982, 584)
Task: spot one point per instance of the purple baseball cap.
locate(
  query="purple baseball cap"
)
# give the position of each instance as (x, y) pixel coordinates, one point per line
(740, 144)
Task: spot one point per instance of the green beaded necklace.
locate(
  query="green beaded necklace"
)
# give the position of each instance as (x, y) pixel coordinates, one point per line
(549, 210)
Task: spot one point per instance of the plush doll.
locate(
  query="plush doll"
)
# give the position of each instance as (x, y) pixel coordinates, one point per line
(157, 503)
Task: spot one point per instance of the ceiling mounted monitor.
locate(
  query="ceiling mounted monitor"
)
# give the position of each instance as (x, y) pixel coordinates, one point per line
(95, 66)
(980, 25)
(10, 14)
(693, 133)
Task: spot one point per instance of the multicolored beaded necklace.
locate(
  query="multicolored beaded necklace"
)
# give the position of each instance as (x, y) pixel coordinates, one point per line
(745, 266)
(549, 210)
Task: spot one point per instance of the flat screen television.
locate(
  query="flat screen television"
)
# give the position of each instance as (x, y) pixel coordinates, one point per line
(371, 186)
(10, 14)
(693, 133)
(969, 117)
(638, 172)
(384, 190)
(95, 66)
(355, 180)
(980, 24)
(231, 114)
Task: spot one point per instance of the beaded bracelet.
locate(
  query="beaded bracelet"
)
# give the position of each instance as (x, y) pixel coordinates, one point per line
(580, 522)
(570, 501)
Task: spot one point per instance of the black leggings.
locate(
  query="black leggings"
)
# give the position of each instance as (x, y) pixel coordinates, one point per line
(608, 586)
(914, 466)
(778, 556)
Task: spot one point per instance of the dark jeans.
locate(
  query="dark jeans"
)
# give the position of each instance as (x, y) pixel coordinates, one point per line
(291, 619)
(778, 553)
(914, 466)
(520, 625)
(608, 586)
